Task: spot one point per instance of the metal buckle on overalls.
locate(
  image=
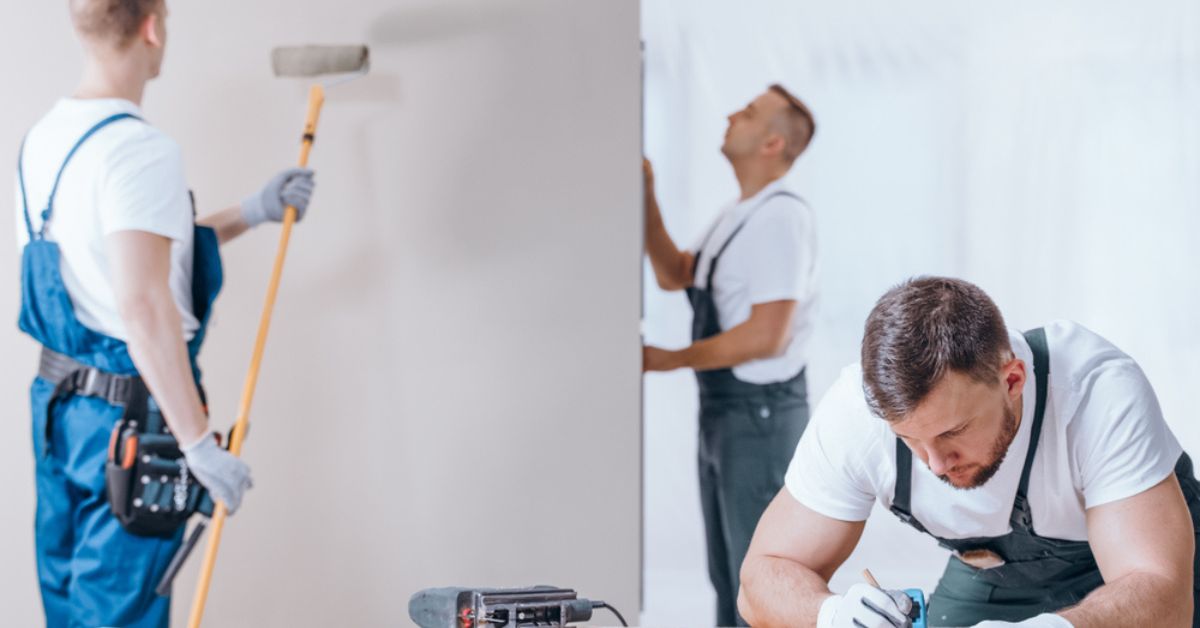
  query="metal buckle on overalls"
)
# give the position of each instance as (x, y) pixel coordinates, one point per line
(118, 390)
(1021, 512)
(89, 380)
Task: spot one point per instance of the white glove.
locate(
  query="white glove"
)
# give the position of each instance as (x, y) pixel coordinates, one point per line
(864, 606)
(224, 475)
(293, 186)
(1045, 620)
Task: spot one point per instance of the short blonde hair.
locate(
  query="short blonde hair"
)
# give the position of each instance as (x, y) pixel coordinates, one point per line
(112, 21)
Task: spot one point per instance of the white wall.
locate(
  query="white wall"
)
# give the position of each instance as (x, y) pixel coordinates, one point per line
(1047, 153)
(450, 391)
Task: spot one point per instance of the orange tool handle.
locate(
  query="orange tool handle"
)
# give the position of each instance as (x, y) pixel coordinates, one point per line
(129, 456)
(316, 98)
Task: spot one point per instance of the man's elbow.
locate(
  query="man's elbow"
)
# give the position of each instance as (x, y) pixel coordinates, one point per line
(668, 284)
(675, 276)
(780, 344)
(142, 310)
(743, 606)
(773, 344)
(746, 579)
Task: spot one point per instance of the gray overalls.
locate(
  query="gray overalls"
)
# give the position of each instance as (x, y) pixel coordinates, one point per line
(1040, 574)
(748, 433)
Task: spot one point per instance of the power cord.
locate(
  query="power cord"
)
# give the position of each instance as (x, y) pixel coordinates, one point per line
(602, 604)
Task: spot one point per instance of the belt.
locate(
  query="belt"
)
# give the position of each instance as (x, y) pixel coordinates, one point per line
(72, 377)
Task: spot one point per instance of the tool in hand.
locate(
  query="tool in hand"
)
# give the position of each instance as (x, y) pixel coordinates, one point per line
(917, 612)
(303, 61)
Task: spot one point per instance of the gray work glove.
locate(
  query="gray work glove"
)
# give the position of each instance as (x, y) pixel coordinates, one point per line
(864, 606)
(1045, 620)
(224, 475)
(293, 186)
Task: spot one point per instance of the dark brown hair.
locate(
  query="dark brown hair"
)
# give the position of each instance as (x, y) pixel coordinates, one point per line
(922, 329)
(801, 125)
(115, 21)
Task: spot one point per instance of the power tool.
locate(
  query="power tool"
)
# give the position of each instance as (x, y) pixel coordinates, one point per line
(462, 607)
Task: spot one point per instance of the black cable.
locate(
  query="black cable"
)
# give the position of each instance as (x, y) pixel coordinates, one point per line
(601, 604)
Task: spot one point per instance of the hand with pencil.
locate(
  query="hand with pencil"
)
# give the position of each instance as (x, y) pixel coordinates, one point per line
(866, 605)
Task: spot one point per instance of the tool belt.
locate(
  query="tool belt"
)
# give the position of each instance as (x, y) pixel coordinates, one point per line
(149, 487)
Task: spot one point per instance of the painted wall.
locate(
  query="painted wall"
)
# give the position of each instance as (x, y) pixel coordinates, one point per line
(450, 393)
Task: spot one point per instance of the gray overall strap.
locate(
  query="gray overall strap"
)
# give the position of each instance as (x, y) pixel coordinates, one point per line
(902, 498)
(712, 265)
(49, 210)
(1041, 373)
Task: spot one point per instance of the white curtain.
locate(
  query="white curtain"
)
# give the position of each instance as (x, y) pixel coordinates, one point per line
(1049, 152)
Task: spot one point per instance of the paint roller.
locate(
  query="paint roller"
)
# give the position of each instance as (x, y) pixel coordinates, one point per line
(342, 63)
(310, 61)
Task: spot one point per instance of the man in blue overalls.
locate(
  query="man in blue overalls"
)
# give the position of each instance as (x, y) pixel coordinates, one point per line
(118, 283)
(1044, 466)
(751, 283)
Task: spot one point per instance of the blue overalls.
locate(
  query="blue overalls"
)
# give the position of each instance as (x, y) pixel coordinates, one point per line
(748, 433)
(92, 571)
(1039, 574)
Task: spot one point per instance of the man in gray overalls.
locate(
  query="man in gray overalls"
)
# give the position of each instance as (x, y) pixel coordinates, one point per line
(1044, 465)
(751, 284)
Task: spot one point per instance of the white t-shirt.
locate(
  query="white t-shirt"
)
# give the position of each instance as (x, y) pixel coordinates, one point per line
(126, 177)
(773, 258)
(1103, 439)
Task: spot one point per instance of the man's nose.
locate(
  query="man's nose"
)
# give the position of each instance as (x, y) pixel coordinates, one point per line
(939, 461)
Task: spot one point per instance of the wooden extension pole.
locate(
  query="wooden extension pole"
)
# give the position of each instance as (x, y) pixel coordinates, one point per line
(316, 98)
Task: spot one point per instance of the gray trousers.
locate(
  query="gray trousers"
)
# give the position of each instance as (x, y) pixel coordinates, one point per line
(746, 443)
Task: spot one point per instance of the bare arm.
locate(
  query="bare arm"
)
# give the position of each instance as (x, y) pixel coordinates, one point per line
(1145, 546)
(672, 267)
(765, 334)
(793, 555)
(140, 265)
(228, 223)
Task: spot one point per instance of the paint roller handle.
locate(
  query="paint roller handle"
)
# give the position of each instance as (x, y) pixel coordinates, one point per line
(316, 99)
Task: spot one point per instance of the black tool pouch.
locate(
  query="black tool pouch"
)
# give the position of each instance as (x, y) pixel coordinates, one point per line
(150, 489)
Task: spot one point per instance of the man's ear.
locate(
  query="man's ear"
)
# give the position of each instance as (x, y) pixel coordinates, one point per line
(1014, 373)
(774, 145)
(149, 31)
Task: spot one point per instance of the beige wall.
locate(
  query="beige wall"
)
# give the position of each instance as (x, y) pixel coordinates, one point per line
(451, 390)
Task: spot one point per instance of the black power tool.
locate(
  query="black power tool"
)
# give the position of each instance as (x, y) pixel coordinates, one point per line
(461, 607)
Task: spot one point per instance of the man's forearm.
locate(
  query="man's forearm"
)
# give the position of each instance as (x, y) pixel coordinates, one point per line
(228, 223)
(160, 355)
(780, 592)
(669, 263)
(1136, 599)
(746, 342)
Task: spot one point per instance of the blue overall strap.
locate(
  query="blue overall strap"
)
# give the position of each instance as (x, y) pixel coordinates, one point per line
(46, 213)
(21, 182)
